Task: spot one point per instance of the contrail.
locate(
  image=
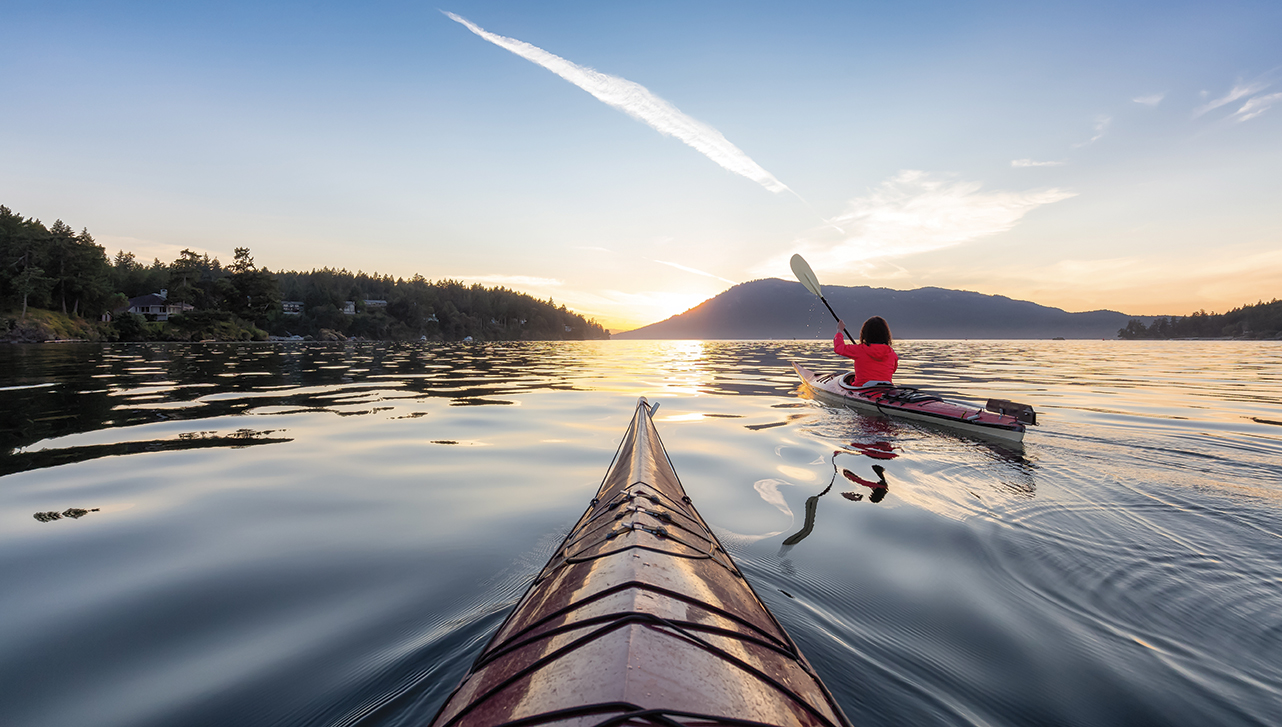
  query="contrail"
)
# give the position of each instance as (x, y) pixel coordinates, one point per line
(696, 271)
(636, 101)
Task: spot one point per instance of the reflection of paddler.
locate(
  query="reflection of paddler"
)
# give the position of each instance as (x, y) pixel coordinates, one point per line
(878, 488)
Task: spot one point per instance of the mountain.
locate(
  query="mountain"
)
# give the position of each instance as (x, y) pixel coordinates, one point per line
(774, 308)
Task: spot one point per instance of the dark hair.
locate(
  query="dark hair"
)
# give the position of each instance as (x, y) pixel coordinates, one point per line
(875, 330)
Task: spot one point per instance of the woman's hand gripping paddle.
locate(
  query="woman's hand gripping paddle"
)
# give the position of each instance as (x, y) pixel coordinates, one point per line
(802, 270)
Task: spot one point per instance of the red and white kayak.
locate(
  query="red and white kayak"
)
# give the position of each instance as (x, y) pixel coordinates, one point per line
(1000, 419)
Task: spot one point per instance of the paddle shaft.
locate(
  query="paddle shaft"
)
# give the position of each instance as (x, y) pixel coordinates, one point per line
(835, 318)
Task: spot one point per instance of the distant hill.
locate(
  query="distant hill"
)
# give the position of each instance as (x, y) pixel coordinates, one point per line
(774, 308)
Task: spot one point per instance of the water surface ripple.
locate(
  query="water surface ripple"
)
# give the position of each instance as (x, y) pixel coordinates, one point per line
(326, 534)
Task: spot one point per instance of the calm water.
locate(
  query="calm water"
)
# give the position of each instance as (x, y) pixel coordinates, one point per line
(327, 534)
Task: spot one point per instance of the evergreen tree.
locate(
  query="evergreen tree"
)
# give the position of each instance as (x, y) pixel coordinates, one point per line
(256, 292)
(22, 249)
(184, 275)
(59, 248)
(88, 280)
(30, 280)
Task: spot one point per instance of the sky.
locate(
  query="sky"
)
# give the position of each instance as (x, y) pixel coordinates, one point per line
(631, 160)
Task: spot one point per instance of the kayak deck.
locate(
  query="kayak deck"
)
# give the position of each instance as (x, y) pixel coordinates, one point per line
(910, 403)
(640, 618)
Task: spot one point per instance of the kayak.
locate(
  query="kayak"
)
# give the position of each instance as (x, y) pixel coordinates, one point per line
(641, 618)
(999, 418)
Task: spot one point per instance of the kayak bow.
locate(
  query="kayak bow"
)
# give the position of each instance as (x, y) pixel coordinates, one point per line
(1000, 419)
(641, 618)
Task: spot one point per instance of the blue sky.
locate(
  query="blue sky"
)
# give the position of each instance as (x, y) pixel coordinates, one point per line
(1082, 155)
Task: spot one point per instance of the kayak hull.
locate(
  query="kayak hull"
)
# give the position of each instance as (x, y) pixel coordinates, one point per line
(640, 615)
(888, 401)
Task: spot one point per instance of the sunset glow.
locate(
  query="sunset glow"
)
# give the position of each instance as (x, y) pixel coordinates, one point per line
(633, 161)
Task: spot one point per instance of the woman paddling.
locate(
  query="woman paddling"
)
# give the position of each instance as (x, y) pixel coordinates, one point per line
(875, 361)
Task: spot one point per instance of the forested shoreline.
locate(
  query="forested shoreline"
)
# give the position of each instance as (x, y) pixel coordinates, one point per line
(56, 269)
(1260, 321)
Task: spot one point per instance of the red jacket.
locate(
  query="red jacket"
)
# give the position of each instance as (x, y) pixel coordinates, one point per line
(873, 361)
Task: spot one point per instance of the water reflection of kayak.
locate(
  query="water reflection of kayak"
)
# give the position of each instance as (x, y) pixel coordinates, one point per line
(1000, 418)
(641, 617)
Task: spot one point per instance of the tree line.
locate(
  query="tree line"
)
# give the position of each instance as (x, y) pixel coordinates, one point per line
(1262, 320)
(55, 268)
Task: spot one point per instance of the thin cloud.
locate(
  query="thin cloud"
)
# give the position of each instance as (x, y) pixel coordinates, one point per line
(1239, 90)
(1134, 284)
(696, 271)
(1255, 106)
(1033, 163)
(1150, 100)
(916, 212)
(1101, 125)
(638, 102)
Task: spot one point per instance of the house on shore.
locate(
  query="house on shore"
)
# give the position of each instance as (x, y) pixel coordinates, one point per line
(292, 307)
(157, 306)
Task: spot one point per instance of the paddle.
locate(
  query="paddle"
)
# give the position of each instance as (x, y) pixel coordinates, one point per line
(802, 270)
(812, 502)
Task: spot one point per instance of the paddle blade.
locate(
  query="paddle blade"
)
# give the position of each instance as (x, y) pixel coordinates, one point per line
(802, 270)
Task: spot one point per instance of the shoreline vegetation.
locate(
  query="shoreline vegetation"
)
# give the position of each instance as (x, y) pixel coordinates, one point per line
(59, 285)
(1262, 321)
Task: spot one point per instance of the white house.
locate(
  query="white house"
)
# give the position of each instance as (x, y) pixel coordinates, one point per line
(157, 306)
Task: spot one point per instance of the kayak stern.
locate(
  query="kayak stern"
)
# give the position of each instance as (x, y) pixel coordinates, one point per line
(886, 401)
